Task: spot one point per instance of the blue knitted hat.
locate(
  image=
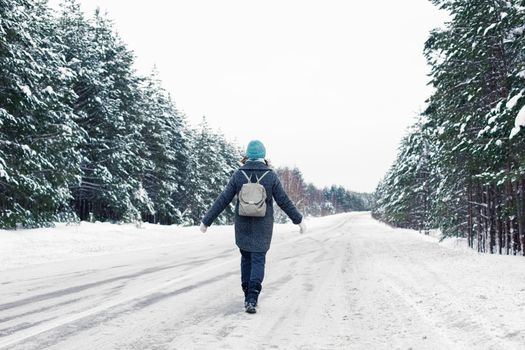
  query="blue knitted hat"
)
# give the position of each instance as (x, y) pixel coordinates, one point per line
(255, 150)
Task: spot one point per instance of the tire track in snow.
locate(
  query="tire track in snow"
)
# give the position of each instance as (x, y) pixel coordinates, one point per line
(313, 312)
(42, 327)
(64, 332)
(284, 267)
(33, 301)
(378, 318)
(16, 338)
(284, 301)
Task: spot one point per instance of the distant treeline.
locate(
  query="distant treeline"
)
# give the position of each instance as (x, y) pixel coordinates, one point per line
(313, 201)
(84, 137)
(461, 168)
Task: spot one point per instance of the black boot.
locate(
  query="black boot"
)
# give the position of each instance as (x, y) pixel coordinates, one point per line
(250, 308)
(254, 290)
(244, 287)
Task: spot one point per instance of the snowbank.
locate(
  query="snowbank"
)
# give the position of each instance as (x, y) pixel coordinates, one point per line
(64, 242)
(436, 236)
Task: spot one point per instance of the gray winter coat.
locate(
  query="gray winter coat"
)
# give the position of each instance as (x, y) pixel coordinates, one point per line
(254, 234)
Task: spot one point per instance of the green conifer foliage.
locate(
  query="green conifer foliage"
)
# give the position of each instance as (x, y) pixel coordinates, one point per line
(39, 156)
(473, 181)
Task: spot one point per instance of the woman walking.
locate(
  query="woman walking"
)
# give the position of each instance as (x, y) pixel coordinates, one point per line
(255, 185)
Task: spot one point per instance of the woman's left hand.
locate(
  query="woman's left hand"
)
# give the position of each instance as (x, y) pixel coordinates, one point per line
(203, 228)
(302, 227)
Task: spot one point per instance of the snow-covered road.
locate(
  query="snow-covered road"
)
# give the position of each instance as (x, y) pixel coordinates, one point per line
(349, 283)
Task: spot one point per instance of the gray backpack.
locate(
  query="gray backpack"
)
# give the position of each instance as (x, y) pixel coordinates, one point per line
(252, 198)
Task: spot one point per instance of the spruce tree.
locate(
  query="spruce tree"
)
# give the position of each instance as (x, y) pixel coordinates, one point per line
(108, 112)
(38, 140)
(165, 136)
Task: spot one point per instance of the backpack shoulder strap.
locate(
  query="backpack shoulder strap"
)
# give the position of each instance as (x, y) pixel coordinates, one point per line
(263, 175)
(246, 176)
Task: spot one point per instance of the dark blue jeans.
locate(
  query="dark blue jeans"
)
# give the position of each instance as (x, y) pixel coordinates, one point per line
(252, 274)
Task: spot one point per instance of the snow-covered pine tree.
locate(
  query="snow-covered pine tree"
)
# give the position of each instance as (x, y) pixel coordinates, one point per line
(404, 195)
(38, 141)
(213, 161)
(343, 200)
(230, 154)
(476, 173)
(475, 65)
(314, 201)
(165, 136)
(108, 112)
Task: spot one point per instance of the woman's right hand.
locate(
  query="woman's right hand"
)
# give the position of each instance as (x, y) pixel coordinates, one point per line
(302, 227)
(203, 228)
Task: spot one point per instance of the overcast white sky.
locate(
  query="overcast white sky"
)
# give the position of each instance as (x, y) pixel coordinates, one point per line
(329, 86)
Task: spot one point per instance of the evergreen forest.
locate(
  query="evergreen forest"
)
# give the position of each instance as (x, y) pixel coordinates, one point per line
(83, 136)
(461, 166)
